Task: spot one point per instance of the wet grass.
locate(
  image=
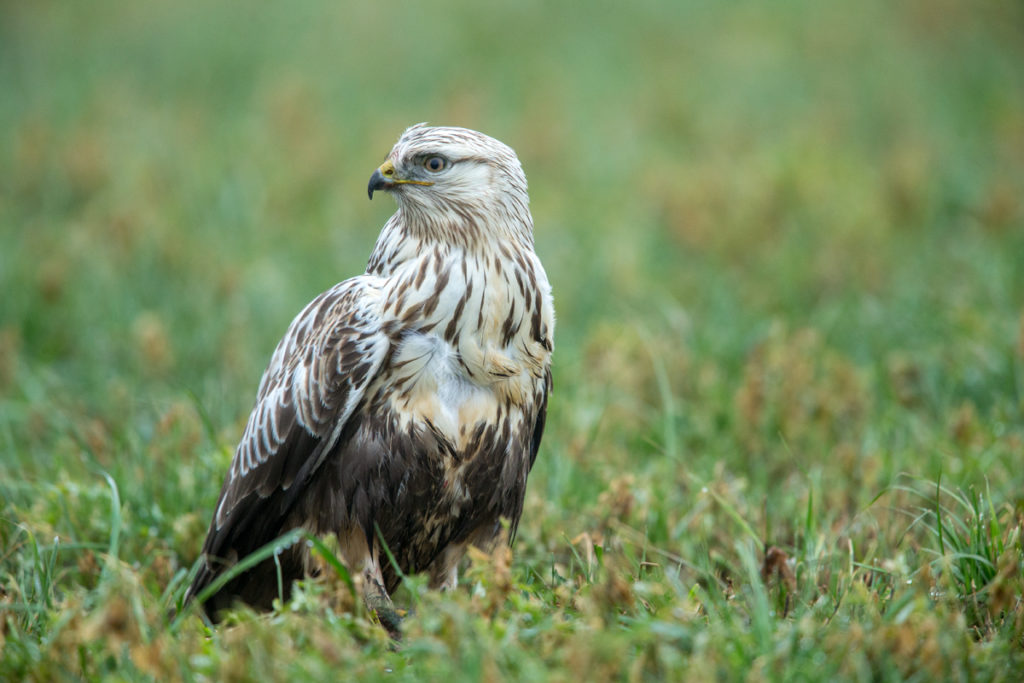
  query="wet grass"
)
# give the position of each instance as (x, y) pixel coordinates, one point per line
(787, 246)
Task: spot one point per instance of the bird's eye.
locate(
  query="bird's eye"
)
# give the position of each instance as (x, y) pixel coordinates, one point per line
(435, 164)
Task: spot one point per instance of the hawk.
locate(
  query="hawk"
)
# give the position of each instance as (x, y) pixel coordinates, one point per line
(404, 407)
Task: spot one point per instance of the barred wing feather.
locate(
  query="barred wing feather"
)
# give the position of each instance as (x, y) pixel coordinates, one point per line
(317, 377)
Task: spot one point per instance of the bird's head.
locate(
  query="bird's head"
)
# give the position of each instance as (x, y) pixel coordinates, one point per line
(448, 176)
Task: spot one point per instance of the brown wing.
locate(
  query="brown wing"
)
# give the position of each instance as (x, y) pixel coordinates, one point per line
(316, 379)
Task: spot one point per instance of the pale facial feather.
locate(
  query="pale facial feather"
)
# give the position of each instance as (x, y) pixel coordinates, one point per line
(483, 181)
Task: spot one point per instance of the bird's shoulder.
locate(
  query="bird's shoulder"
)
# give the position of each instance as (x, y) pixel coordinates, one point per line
(345, 318)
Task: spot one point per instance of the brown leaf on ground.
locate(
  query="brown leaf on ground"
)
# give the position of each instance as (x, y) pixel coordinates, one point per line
(776, 568)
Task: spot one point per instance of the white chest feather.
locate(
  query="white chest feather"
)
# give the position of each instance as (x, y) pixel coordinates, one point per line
(468, 351)
(436, 384)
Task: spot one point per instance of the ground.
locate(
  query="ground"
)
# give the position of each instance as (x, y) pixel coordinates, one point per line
(787, 249)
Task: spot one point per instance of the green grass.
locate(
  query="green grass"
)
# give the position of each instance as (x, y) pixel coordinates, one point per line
(787, 247)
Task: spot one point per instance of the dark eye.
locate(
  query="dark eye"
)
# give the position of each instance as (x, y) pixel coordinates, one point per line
(435, 164)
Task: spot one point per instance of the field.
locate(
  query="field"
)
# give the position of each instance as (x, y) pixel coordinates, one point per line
(787, 248)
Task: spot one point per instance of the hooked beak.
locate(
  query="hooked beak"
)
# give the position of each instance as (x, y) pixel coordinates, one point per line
(385, 178)
(377, 182)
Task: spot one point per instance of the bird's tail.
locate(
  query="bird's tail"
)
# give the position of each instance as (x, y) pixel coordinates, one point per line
(283, 561)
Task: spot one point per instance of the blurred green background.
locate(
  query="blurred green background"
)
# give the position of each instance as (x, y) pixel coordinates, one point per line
(786, 242)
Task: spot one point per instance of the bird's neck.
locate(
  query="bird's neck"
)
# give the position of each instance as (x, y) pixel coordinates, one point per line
(410, 236)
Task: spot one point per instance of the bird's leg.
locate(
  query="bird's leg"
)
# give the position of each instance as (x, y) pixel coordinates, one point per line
(444, 571)
(447, 581)
(378, 601)
(358, 554)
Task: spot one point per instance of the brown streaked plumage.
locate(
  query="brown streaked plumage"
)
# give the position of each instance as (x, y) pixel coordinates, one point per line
(410, 399)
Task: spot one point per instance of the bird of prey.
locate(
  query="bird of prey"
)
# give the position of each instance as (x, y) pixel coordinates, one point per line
(404, 407)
